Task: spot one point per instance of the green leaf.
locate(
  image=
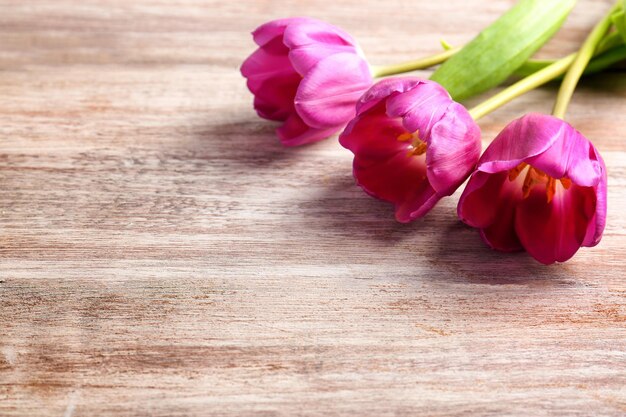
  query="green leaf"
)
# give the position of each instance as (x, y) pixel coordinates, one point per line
(502, 48)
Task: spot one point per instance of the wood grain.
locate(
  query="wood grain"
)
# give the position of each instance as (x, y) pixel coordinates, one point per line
(161, 254)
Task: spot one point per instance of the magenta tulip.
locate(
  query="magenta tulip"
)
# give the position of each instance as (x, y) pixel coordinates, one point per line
(412, 144)
(539, 187)
(307, 74)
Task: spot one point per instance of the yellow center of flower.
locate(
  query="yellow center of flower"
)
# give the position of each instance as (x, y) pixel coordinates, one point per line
(535, 177)
(417, 146)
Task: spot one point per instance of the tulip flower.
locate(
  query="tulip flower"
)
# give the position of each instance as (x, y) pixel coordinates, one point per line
(412, 144)
(540, 186)
(307, 74)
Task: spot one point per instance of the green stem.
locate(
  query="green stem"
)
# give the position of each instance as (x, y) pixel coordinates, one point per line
(544, 72)
(418, 64)
(580, 62)
(533, 65)
(523, 86)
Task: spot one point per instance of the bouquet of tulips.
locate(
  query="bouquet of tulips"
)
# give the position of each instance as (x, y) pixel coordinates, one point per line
(540, 186)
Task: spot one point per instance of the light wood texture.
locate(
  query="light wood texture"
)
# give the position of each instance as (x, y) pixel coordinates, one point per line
(161, 254)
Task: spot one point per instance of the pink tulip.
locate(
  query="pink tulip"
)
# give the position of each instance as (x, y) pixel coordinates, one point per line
(540, 186)
(412, 144)
(307, 74)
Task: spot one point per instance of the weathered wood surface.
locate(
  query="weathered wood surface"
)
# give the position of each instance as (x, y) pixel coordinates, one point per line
(161, 253)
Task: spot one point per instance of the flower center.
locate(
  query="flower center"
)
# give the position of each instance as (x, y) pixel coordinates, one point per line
(416, 146)
(535, 177)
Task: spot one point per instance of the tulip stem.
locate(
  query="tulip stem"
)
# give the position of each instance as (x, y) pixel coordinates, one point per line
(611, 51)
(552, 71)
(531, 66)
(523, 86)
(418, 64)
(580, 62)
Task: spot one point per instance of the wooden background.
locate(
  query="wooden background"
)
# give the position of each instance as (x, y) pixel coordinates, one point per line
(162, 254)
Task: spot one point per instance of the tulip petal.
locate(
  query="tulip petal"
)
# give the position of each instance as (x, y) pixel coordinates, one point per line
(549, 144)
(373, 135)
(295, 132)
(327, 94)
(569, 156)
(553, 232)
(268, 61)
(596, 226)
(400, 180)
(312, 40)
(272, 29)
(454, 149)
(500, 235)
(421, 107)
(272, 80)
(422, 199)
(385, 88)
(523, 138)
(488, 202)
(476, 206)
(273, 98)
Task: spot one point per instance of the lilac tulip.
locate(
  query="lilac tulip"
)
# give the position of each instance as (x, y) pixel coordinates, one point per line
(307, 74)
(539, 187)
(412, 144)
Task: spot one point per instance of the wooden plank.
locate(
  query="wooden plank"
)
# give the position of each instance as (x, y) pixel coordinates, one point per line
(161, 254)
